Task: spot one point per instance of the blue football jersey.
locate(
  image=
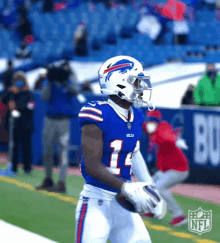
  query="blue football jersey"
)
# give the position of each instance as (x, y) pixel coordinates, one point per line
(121, 138)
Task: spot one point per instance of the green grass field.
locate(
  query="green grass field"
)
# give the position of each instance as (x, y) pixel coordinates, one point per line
(53, 215)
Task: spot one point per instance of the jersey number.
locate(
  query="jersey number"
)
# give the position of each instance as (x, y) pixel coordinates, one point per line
(117, 145)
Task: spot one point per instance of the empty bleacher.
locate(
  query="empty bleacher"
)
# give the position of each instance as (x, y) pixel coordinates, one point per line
(54, 36)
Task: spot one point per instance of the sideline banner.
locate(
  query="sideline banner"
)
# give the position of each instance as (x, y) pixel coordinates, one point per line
(201, 130)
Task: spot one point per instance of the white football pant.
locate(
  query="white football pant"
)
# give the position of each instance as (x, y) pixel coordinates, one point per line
(98, 220)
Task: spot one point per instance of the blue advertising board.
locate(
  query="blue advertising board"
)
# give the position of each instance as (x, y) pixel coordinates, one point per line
(201, 130)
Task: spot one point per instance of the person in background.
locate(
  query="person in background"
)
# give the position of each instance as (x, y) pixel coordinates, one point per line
(41, 78)
(23, 52)
(21, 5)
(21, 106)
(153, 23)
(188, 98)
(181, 32)
(80, 40)
(172, 164)
(207, 92)
(22, 9)
(47, 6)
(72, 75)
(211, 4)
(57, 91)
(8, 74)
(86, 86)
(25, 30)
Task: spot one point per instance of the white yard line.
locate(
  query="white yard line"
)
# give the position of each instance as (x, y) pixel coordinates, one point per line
(11, 234)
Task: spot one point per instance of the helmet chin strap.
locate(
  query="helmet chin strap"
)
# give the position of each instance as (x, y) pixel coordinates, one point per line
(137, 104)
(151, 106)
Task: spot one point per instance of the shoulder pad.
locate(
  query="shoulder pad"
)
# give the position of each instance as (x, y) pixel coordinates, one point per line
(91, 112)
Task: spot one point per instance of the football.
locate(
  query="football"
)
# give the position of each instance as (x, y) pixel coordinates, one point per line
(125, 203)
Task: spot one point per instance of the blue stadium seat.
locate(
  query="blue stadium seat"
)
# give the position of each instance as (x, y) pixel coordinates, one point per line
(73, 17)
(143, 40)
(51, 28)
(194, 48)
(43, 35)
(100, 7)
(48, 18)
(133, 19)
(37, 7)
(168, 38)
(194, 59)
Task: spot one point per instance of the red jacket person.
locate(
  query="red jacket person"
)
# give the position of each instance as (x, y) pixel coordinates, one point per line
(172, 163)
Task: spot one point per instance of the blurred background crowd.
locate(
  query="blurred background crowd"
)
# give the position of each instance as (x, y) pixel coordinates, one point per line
(165, 29)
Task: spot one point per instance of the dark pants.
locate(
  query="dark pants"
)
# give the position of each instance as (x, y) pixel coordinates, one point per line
(81, 48)
(180, 39)
(22, 142)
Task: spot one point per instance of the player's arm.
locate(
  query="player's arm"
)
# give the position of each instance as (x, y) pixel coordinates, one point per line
(92, 147)
(139, 168)
(167, 136)
(141, 172)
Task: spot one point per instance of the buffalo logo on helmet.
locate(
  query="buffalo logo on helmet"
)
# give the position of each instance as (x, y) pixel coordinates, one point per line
(123, 66)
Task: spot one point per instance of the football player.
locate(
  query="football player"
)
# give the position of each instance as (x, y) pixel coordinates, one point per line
(172, 163)
(110, 140)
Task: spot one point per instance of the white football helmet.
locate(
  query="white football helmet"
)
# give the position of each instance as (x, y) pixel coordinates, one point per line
(124, 76)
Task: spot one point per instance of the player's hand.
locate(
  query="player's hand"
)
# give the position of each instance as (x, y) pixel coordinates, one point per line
(161, 209)
(181, 143)
(142, 201)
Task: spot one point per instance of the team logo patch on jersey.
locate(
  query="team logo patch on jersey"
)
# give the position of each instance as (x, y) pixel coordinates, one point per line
(129, 125)
(123, 66)
(85, 199)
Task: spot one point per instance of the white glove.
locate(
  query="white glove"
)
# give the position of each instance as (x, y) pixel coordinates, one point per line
(181, 143)
(142, 201)
(161, 209)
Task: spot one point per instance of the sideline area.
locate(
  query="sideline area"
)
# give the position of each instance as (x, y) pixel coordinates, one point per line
(207, 193)
(151, 225)
(12, 233)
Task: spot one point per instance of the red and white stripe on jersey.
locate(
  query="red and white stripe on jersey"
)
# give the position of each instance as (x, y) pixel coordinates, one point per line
(90, 116)
(95, 110)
